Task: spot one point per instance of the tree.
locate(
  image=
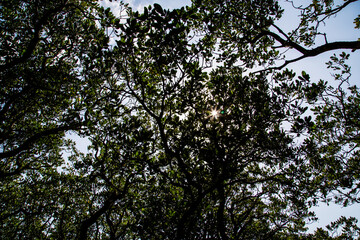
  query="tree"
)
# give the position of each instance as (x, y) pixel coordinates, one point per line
(180, 148)
(248, 32)
(335, 133)
(53, 60)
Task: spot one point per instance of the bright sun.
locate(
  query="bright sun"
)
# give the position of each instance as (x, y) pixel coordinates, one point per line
(214, 113)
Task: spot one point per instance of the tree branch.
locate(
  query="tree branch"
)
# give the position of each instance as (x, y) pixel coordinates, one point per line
(31, 140)
(354, 45)
(84, 226)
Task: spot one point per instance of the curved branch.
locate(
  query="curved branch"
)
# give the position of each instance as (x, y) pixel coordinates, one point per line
(31, 140)
(284, 43)
(333, 46)
(353, 45)
(329, 12)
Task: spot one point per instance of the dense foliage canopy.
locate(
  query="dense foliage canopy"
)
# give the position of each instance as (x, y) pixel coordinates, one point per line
(196, 128)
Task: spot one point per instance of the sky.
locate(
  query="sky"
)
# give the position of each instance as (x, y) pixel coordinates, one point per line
(340, 28)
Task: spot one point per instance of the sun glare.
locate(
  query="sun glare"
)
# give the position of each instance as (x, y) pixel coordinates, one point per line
(214, 113)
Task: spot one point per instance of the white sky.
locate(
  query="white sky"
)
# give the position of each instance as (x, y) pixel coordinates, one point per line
(340, 28)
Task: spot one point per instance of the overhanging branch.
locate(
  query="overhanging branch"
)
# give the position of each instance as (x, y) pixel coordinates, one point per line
(353, 45)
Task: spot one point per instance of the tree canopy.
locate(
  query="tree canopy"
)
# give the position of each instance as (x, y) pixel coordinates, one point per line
(197, 129)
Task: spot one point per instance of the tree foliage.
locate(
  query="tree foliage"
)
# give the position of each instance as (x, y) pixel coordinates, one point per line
(188, 138)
